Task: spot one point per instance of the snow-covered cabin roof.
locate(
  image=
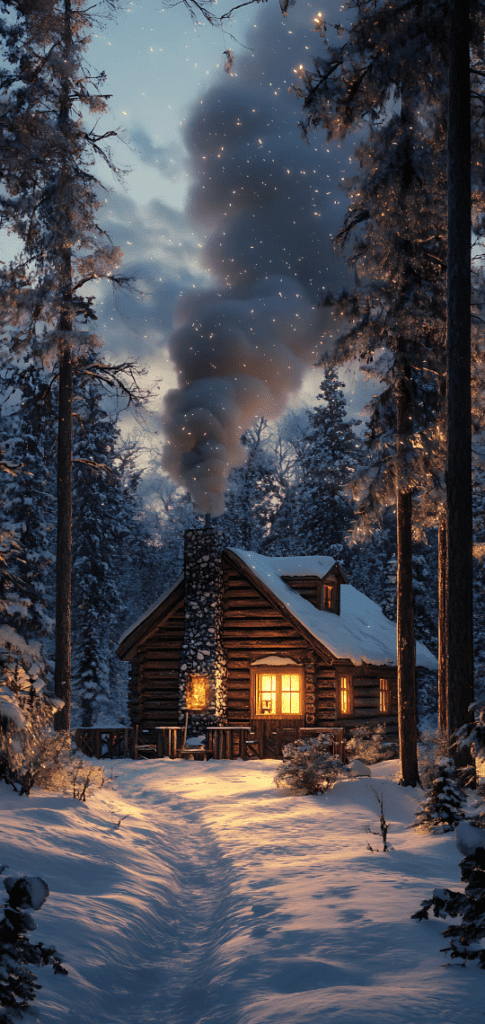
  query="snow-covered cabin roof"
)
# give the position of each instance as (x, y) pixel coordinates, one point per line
(297, 565)
(360, 633)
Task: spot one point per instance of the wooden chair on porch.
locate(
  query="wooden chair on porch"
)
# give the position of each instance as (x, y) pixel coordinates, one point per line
(143, 747)
(192, 750)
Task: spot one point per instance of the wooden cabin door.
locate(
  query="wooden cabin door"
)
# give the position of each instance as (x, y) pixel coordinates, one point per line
(274, 733)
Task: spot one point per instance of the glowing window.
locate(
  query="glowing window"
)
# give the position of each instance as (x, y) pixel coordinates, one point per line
(328, 597)
(384, 697)
(197, 693)
(266, 702)
(290, 694)
(345, 695)
(278, 693)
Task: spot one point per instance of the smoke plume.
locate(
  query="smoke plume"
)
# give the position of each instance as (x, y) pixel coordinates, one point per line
(269, 205)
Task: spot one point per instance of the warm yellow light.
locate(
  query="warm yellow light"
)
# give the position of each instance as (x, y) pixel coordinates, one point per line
(290, 694)
(384, 697)
(344, 695)
(267, 695)
(197, 693)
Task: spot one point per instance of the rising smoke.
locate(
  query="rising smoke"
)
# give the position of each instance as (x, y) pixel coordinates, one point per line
(270, 205)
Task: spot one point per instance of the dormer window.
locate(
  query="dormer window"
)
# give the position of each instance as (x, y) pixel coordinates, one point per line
(384, 697)
(323, 593)
(345, 695)
(329, 596)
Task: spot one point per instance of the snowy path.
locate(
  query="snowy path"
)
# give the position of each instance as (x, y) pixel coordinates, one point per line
(217, 900)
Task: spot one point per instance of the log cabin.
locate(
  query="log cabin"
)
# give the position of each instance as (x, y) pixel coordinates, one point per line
(274, 648)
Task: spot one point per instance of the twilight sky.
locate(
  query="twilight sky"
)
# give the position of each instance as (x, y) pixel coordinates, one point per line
(226, 222)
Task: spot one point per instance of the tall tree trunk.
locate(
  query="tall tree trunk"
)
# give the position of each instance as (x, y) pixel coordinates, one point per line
(442, 590)
(62, 673)
(459, 657)
(64, 540)
(406, 658)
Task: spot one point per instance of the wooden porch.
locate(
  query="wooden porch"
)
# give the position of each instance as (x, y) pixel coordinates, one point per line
(226, 742)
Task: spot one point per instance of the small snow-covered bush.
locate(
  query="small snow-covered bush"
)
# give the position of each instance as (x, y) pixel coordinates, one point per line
(472, 735)
(81, 775)
(468, 937)
(432, 747)
(38, 756)
(35, 755)
(368, 743)
(17, 982)
(444, 804)
(309, 766)
(31, 752)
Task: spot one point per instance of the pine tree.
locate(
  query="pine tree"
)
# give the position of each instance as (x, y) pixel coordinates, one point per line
(443, 806)
(101, 528)
(29, 501)
(397, 219)
(17, 981)
(50, 202)
(328, 457)
(466, 937)
(254, 492)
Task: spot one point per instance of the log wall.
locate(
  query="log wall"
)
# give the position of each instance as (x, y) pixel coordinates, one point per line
(365, 697)
(309, 587)
(251, 629)
(133, 692)
(159, 658)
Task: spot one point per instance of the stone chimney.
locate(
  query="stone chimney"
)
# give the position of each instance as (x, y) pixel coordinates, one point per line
(202, 672)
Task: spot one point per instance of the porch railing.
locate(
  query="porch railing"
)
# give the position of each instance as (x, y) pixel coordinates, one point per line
(224, 742)
(104, 743)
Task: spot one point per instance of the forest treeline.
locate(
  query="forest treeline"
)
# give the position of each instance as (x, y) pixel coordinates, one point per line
(82, 555)
(292, 497)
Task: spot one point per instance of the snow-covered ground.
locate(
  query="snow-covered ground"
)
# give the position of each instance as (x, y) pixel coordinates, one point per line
(197, 893)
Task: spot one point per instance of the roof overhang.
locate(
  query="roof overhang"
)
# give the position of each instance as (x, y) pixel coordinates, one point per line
(152, 619)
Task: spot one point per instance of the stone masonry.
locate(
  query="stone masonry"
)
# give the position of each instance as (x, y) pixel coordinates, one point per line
(202, 652)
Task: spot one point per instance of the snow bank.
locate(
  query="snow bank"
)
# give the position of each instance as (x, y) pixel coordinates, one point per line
(197, 893)
(469, 838)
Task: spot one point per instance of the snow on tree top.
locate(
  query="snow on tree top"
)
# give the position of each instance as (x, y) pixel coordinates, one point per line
(361, 632)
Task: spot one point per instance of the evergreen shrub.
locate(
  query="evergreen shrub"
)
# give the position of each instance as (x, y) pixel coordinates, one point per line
(31, 752)
(368, 743)
(468, 937)
(432, 747)
(309, 766)
(17, 982)
(443, 807)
